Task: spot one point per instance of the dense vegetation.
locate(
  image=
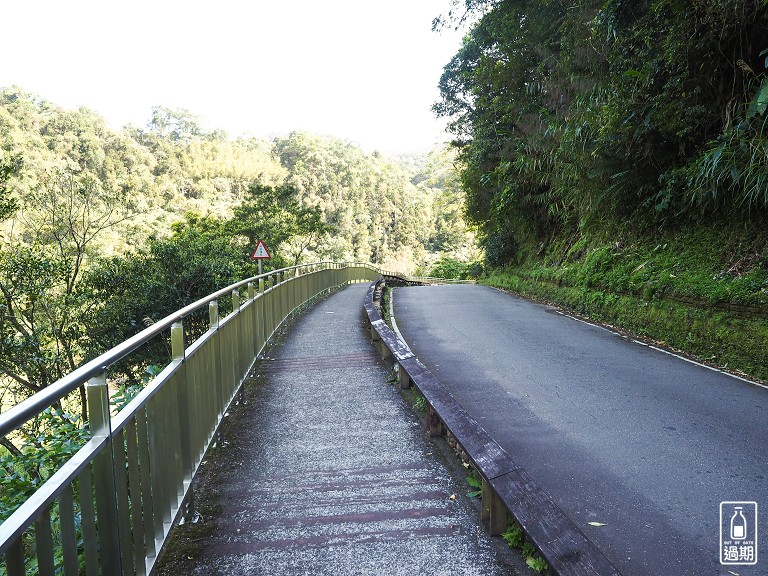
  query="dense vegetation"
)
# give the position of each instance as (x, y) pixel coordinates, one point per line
(580, 116)
(615, 161)
(105, 232)
(613, 153)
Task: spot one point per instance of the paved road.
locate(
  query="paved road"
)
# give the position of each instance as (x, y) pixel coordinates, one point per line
(616, 432)
(324, 470)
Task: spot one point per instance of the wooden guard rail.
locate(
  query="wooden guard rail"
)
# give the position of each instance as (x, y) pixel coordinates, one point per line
(507, 487)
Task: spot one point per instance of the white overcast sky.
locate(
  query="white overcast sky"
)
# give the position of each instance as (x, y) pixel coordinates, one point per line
(359, 70)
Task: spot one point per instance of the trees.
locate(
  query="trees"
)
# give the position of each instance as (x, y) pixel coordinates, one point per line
(370, 200)
(153, 218)
(277, 216)
(677, 76)
(202, 255)
(8, 204)
(134, 290)
(598, 114)
(199, 170)
(42, 330)
(438, 179)
(499, 95)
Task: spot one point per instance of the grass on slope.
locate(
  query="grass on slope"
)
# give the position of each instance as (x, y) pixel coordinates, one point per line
(702, 291)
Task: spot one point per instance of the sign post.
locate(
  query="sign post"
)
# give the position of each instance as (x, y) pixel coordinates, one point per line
(260, 253)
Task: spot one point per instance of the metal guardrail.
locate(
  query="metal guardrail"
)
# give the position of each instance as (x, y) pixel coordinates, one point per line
(111, 507)
(506, 487)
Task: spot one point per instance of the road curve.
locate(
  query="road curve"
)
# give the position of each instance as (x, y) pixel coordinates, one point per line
(617, 433)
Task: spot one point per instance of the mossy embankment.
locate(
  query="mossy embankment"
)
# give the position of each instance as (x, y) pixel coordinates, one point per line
(701, 290)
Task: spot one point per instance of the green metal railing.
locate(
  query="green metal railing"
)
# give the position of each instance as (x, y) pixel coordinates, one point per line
(117, 498)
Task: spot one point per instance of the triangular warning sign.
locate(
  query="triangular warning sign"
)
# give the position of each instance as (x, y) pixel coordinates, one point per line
(261, 252)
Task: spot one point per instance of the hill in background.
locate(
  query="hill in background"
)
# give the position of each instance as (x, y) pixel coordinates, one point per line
(402, 212)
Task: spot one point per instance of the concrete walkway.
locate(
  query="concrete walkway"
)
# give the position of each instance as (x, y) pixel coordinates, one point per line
(325, 470)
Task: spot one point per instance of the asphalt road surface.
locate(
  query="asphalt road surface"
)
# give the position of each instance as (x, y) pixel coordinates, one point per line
(616, 432)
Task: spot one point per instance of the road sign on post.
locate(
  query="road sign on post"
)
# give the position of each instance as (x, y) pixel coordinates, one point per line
(260, 253)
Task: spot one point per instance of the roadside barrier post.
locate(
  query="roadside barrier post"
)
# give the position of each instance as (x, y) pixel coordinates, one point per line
(405, 379)
(433, 419)
(493, 510)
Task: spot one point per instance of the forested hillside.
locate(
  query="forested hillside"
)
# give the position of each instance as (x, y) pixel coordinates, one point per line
(616, 161)
(380, 209)
(105, 232)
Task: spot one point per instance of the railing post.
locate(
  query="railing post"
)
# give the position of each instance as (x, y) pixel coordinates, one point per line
(216, 391)
(273, 321)
(185, 419)
(237, 343)
(104, 475)
(252, 322)
(213, 314)
(14, 558)
(281, 297)
(259, 316)
(177, 341)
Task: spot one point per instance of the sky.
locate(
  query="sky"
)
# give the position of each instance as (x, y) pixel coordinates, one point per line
(359, 70)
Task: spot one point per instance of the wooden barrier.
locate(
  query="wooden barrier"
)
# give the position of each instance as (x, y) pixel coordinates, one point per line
(507, 487)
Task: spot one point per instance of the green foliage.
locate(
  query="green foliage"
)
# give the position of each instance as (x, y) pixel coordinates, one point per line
(39, 323)
(8, 204)
(26, 468)
(514, 535)
(437, 177)
(127, 391)
(594, 115)
(277, 215)
(141, 288)
(42, 303)
(420, 403)
(380, 212)
(108, 232)
(158, 173)
(380, 209)
(476, 483)
(703, 290)
(537, 564)
(450, 268)
(515, 538)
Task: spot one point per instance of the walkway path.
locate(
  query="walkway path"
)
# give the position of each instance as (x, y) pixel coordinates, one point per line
(323, 470)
